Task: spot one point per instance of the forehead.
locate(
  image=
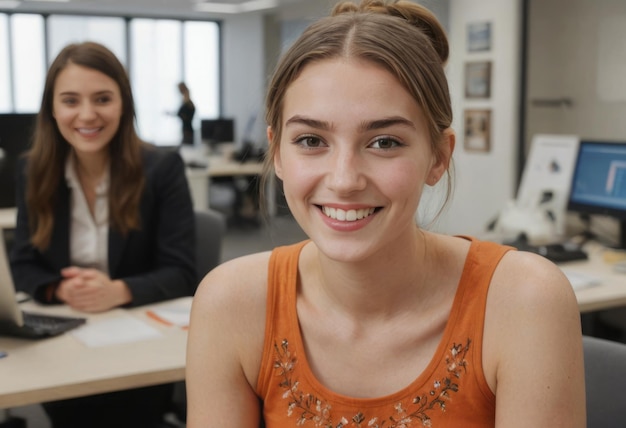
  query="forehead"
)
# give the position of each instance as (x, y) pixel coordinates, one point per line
(80, 79)
(339, 85)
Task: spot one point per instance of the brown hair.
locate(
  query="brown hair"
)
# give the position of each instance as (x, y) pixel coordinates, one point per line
(403, 37)
(46, 158)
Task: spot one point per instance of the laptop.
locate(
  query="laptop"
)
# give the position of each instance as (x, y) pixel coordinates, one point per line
(28, 325)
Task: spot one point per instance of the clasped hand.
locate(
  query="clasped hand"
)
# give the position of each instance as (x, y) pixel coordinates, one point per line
(90, 290)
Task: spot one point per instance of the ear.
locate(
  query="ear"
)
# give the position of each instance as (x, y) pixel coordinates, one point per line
(442, 162)
(278, 168)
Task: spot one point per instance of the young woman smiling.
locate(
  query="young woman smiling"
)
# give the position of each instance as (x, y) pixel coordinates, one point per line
(375, 321)
(104, 220)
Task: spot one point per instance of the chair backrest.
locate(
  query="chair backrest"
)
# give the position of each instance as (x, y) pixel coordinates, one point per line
(605, 379)
(210, 230)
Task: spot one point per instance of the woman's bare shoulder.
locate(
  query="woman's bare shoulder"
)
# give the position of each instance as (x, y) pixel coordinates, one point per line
(235, 283)
(530, 296)
(531, 276)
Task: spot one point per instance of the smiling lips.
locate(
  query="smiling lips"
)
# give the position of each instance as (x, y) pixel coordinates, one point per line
(347, 215)
(88, 131)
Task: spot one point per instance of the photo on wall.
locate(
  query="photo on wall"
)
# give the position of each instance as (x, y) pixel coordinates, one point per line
(478, 79)
(477, 130)
(479, 36)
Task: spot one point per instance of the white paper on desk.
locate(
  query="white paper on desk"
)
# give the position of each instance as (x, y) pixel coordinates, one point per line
(580, 280)
(114, 331)
(176, 313)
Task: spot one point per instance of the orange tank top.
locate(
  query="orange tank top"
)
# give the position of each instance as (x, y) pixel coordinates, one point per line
(451, 392)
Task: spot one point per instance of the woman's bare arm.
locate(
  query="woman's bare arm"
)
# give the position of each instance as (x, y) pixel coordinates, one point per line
(225, 344)
(533, 345)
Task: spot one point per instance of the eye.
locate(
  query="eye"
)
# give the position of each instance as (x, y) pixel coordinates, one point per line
(103, 99)
(69, 101)
(309, 142)
(385, 143)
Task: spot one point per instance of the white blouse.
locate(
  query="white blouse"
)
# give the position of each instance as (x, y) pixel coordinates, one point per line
(89, 235)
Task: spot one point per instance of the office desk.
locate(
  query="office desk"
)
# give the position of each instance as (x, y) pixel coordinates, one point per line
(220, 166)
(8, 218)
(611, 292)
(63, 367)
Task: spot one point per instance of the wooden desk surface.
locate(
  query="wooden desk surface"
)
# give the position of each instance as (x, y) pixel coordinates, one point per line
(219, 166)
(610, 292)
(61, 367)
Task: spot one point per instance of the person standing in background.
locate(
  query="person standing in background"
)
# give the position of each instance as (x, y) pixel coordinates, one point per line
(104, 219)
(186, 112)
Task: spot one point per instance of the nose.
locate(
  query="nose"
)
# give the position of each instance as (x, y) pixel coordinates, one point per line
(87, 111)
(346, 172)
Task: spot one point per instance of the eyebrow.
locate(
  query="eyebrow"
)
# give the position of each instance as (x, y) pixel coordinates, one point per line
(386, 123)
(313, 123)
(104, 92)
(365, 126)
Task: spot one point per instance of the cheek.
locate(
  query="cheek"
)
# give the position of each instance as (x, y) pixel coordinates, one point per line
(298, 177)
(404, 177)
(63, 115)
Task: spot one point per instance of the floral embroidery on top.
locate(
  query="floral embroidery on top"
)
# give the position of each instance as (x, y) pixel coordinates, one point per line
(309, 409)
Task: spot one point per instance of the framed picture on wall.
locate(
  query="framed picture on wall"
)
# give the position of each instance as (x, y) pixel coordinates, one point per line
(479, 36)
(477, 130)
(478, 79)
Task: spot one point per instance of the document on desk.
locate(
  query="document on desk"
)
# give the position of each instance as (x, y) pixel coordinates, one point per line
(113, 331)
(174, 313)
(580, 280)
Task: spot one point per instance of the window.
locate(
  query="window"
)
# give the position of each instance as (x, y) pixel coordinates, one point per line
(202, 68)
(27, 60)
(65, 29)
(158, 53)
(6, 104)
(156, 69)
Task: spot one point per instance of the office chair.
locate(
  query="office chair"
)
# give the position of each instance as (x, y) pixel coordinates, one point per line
(605, 377)
(210, 230)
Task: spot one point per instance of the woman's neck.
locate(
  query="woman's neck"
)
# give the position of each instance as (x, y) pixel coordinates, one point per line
(91, 168)
(383, 284)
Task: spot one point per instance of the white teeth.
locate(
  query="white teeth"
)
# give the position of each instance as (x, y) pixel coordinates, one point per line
(88, 130)
(349, 215)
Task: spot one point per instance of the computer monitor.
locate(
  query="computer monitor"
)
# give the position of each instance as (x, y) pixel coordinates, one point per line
(16, 133)
(217, 131)
(599, 182)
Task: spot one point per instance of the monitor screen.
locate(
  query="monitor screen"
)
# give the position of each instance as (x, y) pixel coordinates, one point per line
(220, 130)
(16, 132)
(599, 181)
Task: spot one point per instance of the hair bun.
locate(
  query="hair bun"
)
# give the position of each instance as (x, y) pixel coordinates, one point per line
(413, 13)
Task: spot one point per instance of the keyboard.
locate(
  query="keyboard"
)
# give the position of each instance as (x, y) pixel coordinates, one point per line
(558, 253)
(51, 324)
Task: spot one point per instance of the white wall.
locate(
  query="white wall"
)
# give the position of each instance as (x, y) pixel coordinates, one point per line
(583, 60)
(484, 181)
(243, 72)
(244, 56)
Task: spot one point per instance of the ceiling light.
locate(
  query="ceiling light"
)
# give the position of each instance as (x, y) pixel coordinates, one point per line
(217, 8)
(247, 6)
(252, 5)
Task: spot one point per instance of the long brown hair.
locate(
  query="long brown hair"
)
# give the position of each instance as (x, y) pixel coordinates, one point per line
(403, 37)
(46, 158)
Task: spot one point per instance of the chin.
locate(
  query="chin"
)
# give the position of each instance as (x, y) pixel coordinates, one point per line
(344, 250)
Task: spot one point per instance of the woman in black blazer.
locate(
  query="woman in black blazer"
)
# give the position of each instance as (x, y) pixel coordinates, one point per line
(104, 220)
